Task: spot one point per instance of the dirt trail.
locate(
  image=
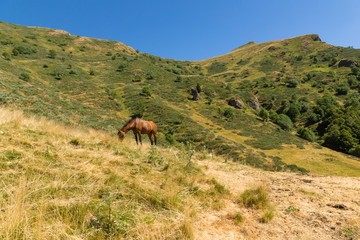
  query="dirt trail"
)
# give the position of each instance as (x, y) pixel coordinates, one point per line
(329, 207)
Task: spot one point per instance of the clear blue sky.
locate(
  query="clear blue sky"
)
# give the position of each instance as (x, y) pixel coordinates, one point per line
(191, 29)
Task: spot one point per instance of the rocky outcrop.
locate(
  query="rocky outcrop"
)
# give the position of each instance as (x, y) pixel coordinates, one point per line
(195, 94)
(236, 103)
(315, 37)
(347, 63)
(254, 103)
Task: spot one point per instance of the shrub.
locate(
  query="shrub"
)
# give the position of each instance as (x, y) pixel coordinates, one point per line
(307, 134)
(146, 91)
(274, 117)
(25, 76)
(228, 112)
(121, 67)
(264, 115)
(6, 56)
(285, 122)
(149, 76)
(52, 54)
(342, 89)
(23, 50)
(75, 142)
(292, 83)
(92, 72)
(255, 198)
(238, 218)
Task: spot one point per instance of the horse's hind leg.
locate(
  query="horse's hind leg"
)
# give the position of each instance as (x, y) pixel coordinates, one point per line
(150, 138)
(155, 137)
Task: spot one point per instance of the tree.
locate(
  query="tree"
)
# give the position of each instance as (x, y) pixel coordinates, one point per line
(198, 88)
(293, 112)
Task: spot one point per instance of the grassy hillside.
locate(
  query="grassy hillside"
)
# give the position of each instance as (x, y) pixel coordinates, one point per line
(87, 82)
(59, 182)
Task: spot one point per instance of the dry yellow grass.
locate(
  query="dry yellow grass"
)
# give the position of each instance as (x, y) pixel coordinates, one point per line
(63, 183)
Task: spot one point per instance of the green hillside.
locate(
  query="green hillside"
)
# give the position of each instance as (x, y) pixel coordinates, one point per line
(100, 84)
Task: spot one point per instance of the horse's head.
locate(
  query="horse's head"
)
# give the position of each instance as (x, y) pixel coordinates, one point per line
(121, 135)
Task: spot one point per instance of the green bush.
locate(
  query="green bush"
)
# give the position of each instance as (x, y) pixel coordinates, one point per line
(307, 134)
(264, 114)
(228, 112)
(52, 54)
(274, 117)
(6, 56)
(292, 83)
(285, 122)
(25, 76)
(23, 50)
(342, 89)
(146, 91)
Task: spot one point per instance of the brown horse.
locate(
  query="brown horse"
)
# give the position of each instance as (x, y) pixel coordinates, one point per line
(139, 127)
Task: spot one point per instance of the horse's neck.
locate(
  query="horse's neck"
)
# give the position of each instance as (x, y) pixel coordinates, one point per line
(129, 127)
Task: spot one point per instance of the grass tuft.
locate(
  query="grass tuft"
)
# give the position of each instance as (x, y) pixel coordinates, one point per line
(256, 198)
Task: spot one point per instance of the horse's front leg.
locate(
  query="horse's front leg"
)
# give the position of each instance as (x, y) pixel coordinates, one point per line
(136, 138)
(140, 138)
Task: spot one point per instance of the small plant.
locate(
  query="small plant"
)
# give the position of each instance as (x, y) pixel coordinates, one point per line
(238, 218)
(255, 198)
(292, 209)
(219, 188)
(350, 232)
(75, 142)
(92, 72)
(267, 216)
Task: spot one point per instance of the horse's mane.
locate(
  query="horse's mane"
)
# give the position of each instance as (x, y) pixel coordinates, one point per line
(128, 122)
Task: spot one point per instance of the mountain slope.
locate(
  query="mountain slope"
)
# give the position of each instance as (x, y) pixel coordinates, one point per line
(100, 84)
